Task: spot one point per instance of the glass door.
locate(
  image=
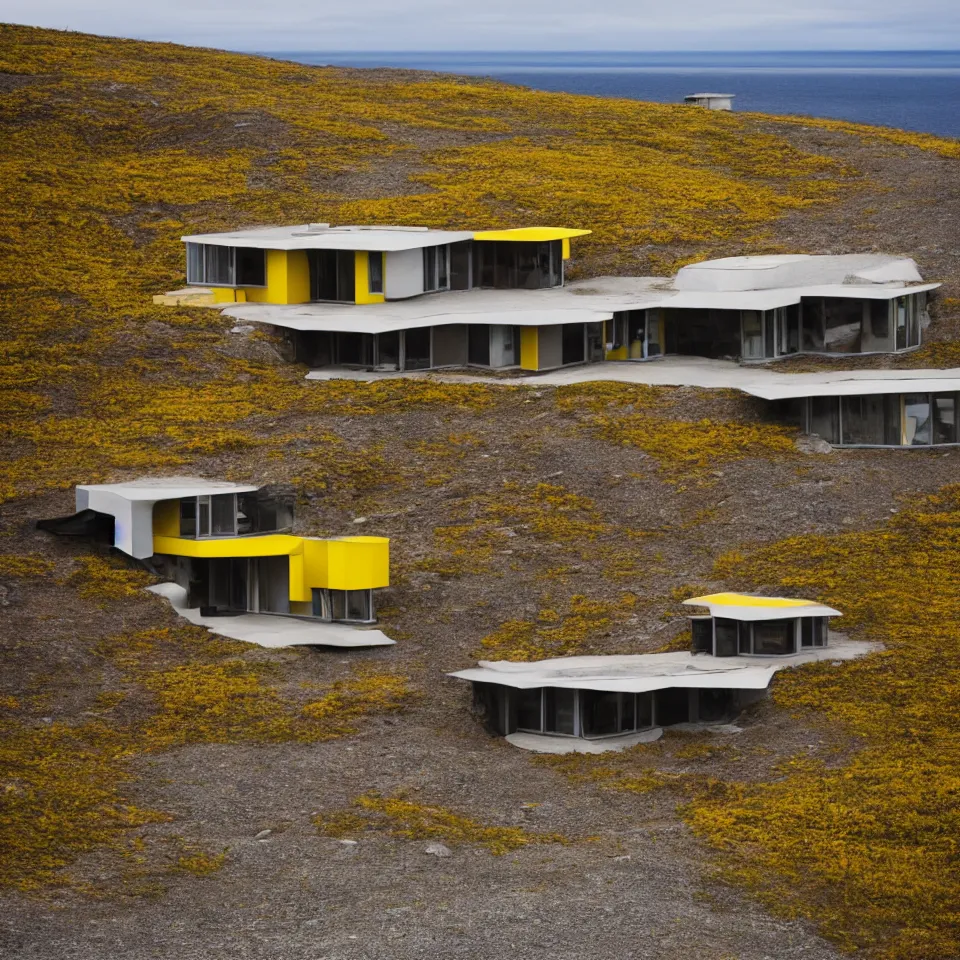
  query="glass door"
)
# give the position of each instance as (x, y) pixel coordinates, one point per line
(751, 334)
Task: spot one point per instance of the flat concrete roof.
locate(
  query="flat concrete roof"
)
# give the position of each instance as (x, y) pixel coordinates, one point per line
(322, 237)
(708, 374)
(585, 301)
(744, 606)
(167, 488)
(644, 672)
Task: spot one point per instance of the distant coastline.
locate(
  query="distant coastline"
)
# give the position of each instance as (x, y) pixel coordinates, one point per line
(911, 90)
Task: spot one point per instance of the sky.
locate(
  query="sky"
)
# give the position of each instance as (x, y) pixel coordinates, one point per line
(637, 25)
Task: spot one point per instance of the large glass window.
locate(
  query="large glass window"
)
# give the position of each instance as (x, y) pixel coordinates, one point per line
(879, 334)
(436, 267)
(900, 310)
(644, 711)
(573, 343)
(726, 634)
(842, 321)
(224, 514)
(188, 517)
(871, 420)
(654, 346)
(218, 266)
(917, 421)
(772, 321)
(512, 265)
(790, 329)
(375, 271)
(351, 606)
(461, 265)
(529, 707)
(913, 321)
(825, 418)
(812, 329)
(813, 631)
(773, 637)
(251, 266)
(388, 350)
(944, 418)
(559, 710)
(702, 630)
(600, 713)
(203, 516)
(417, 349)
(478, 344)
(673, 706)
(355, 349)
(333, 275)
(752, 332)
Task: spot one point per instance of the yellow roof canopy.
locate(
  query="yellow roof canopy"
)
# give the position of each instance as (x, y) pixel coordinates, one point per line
(534, 234)
(747, 600)
(743, 606)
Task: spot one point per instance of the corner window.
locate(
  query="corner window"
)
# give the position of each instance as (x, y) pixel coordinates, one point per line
(375, 271)
(560, 708)
(217, 266)
(813, 632)
(209, 516)
(188, 517)
(701, 629)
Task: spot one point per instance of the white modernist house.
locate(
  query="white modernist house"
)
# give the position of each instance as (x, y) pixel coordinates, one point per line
(401, 298)
(736, 648)
(712, 101)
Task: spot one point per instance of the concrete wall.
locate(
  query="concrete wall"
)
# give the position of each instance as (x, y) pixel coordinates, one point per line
(550, 353)
(450, 345)
(403, 274)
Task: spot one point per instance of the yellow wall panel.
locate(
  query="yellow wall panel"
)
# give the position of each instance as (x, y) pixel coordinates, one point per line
(361, 273)
(349, 563)
(166, 518)
(529, 348)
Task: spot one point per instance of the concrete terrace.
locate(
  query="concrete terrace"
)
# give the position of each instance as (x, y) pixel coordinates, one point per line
(700, 372)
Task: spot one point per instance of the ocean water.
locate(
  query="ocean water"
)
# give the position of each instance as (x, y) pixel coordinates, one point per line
(913, 90)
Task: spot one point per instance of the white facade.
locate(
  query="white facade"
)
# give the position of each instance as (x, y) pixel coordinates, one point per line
(795, 270)
(403, 271)
(131, 505)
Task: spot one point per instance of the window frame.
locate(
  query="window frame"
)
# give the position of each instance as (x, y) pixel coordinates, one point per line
(375, 257)
(432, 258)
(197, 255)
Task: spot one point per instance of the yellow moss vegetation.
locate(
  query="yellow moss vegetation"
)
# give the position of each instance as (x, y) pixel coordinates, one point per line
(868, 849)
(62, 797)
(99, 578)
(640, 416)
(24, 566)
(65, 787)
(555, 633)
(408, 820)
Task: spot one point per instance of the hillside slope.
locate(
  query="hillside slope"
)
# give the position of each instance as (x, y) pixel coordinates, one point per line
(140, 759)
